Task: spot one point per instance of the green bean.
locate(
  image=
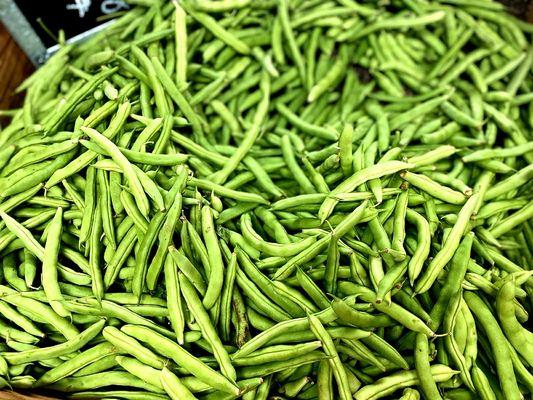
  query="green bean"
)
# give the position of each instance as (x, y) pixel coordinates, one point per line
(315, 176)
(459, 116)
(310, 287)
(504, 152)
(324, 381)
(250, 135)
(76, 363)
(449, 246)
(175, 310)
(373, 184)
(423, 246)
(432, 156)
(345, 146)
(274, 311)
(452, 285)
(427, 382)
(86, 158)
(277, 353)
(19, 319)
(451, 341)
(482, 384)
(97, 380)
(13, 201)
(97, 283)
(332, 76)
(215, 280)
(224, 192)
(165, 236)
(298, 122)
(410, 394)
(152, 127)
(153, 82)
(208, 331)
(391, 279)
(129, 345)
(28, 241)
(400, 212)
(148, 241)
(106, 208)
(5, 155)
(500, 351)
(273, 249)
(299, 259)
(56, 119)
(119, 257)
(43, 171)
(513, 220)
(50, 151)
(20, 336)
(295, 296)
(140, 221)
(10, 273)
(399, 380)
(49, 273)
(290, 202)
(183, 358)
(181, 46)
(211, 24)
(39, 311)
(405, 317)
(520, 369)
(418, 111)
(347, 333)
(358, 178)
(262, 176)
(57, 350)
(174, 386)
(283, 15)
(142, 157)
(435, 189)
(122, 394)
(113, 310)
(359, 318)
(398, 23)
(188, 269)
(276, 366)
(124, 165)
(453, 182)
(282, 327)
(332, 265)
(519, 337)
(227, 292)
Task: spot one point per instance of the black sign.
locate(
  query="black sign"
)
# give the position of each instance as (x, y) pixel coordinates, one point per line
(73, 16)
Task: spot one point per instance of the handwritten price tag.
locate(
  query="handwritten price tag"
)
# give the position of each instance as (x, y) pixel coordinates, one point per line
(75, 17)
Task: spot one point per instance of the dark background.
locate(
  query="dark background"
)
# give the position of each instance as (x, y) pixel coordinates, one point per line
(521, 8)
(55, 15)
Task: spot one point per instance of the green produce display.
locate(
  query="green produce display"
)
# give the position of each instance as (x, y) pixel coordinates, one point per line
(274, 199)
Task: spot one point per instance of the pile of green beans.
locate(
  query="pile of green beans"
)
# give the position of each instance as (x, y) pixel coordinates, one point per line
(274, 199)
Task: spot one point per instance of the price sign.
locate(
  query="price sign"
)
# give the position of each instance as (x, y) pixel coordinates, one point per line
(35, 23)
